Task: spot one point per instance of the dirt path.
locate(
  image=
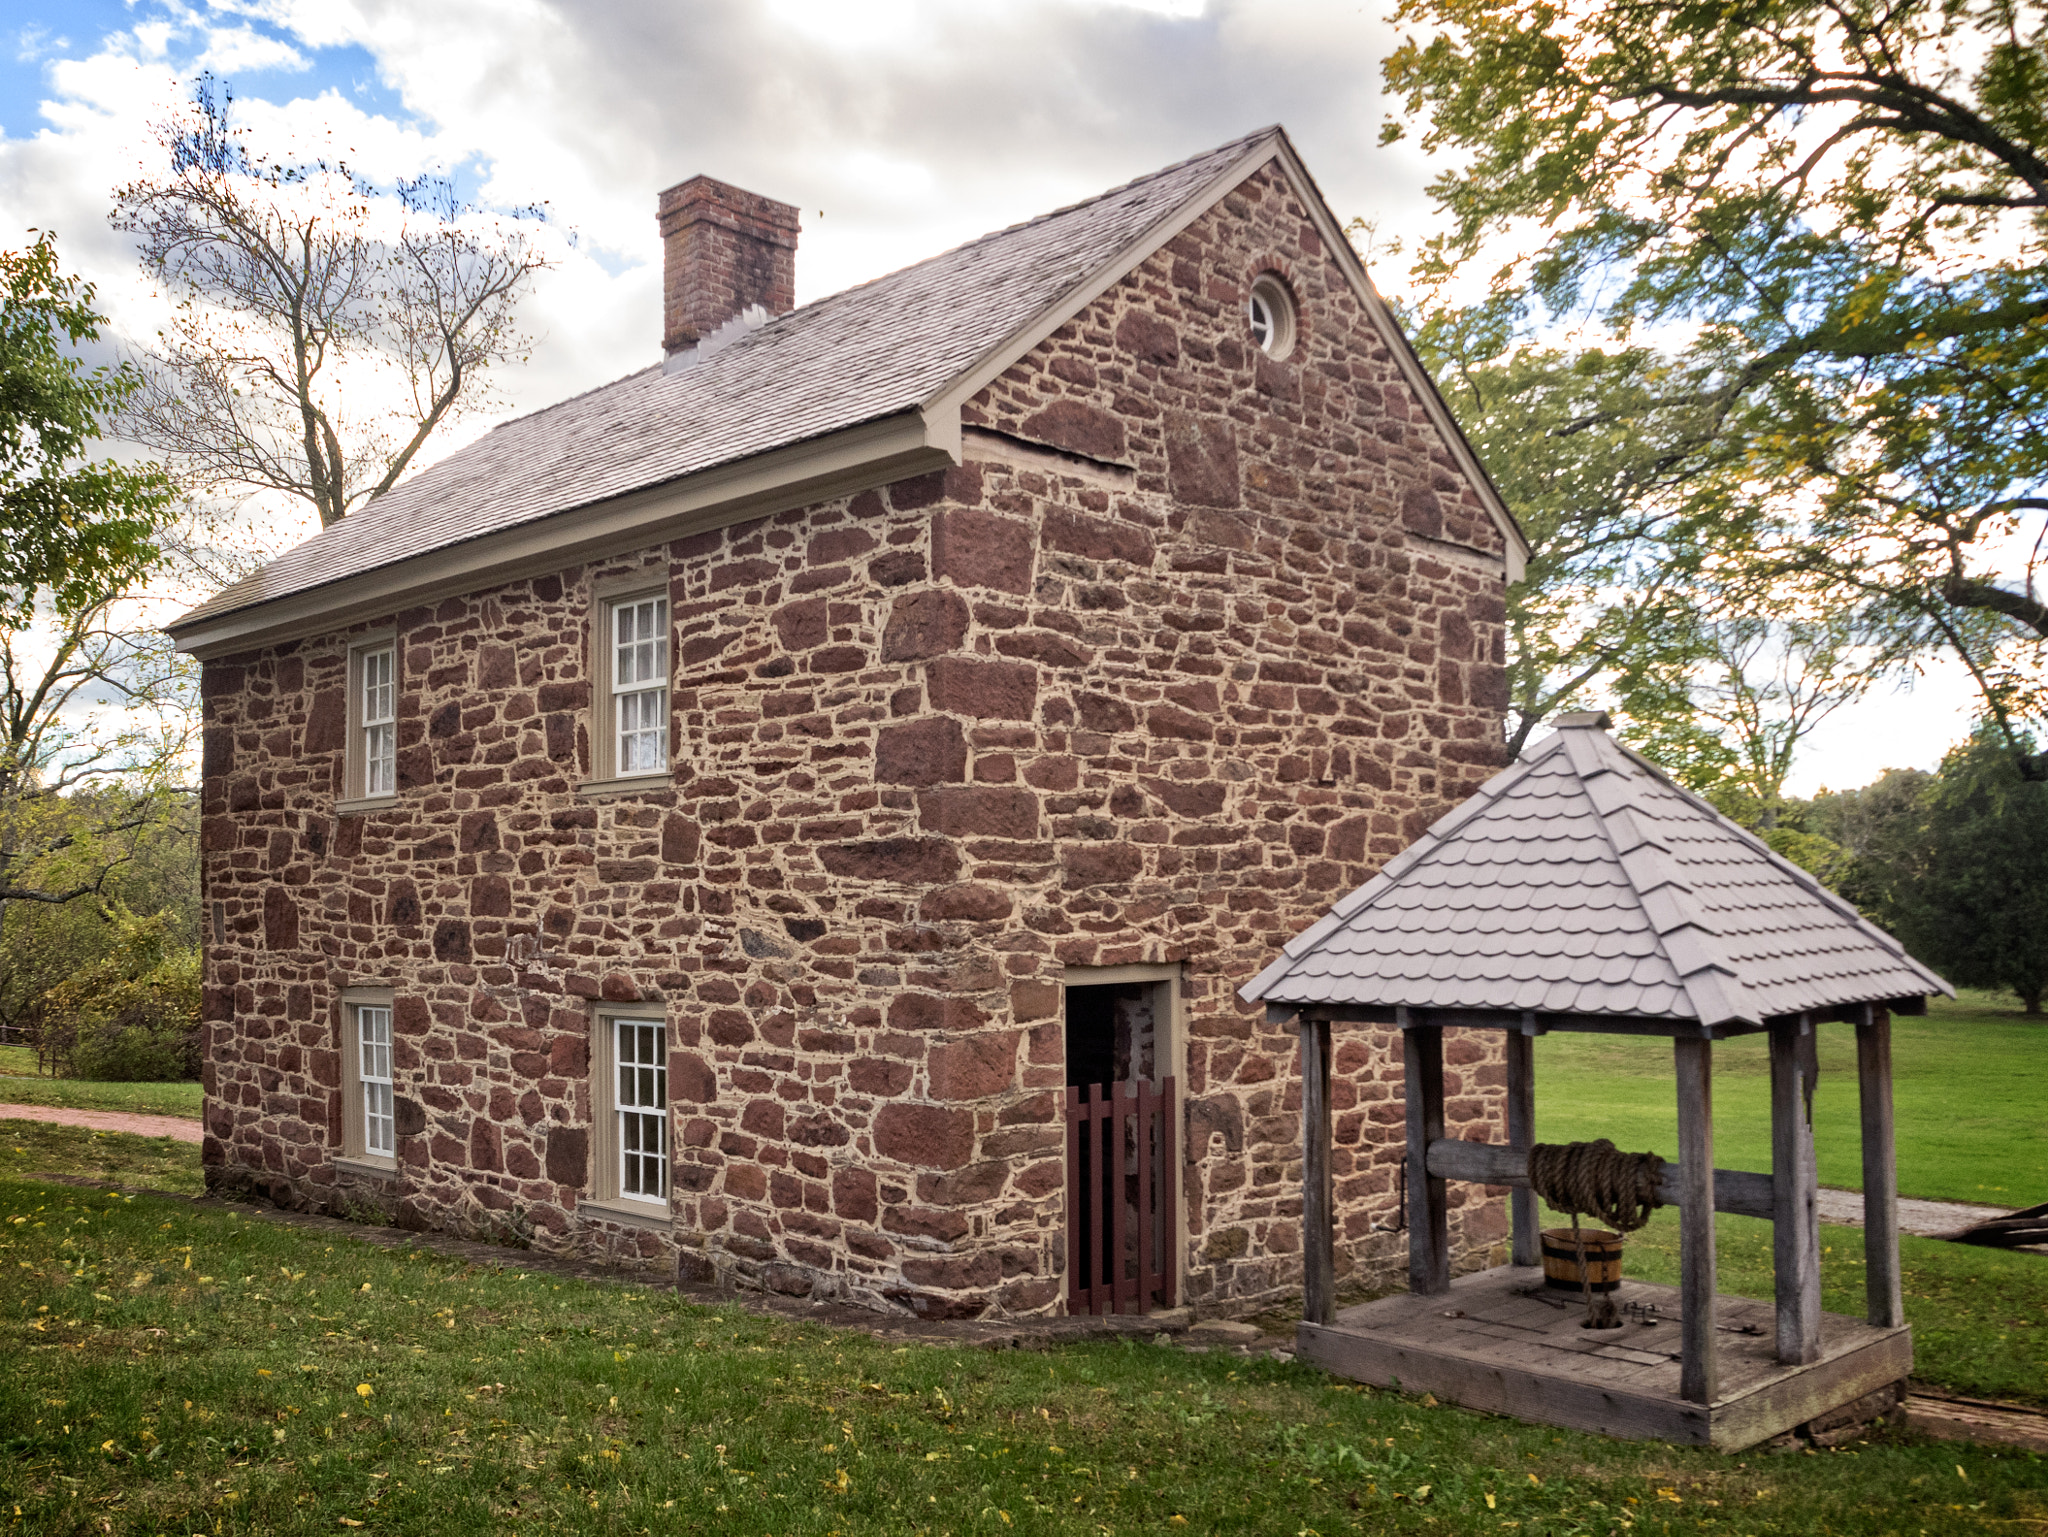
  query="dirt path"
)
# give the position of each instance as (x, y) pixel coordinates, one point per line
(107, 1120)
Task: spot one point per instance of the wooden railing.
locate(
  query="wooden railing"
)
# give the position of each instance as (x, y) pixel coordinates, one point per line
(1120, 1197)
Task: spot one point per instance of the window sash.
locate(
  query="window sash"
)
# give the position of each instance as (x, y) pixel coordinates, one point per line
(377, 716)
(640, 1108)
(373, 1079)
(639, 686)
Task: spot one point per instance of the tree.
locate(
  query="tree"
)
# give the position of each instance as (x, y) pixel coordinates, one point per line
(71, 528)
(1592, 462)
(93, 705)
(1830, 212)
(321, 333)
(1975, 900)
(1878, 828)
(1766, 683)
(76, 537)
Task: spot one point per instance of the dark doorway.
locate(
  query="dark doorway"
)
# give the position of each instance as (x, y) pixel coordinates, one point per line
(1120, 1147)
(1113, 1031)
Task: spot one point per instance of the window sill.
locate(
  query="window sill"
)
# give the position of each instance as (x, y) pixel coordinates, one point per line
(375, 1168)
(365, 803)
(597, 788)
(632, 1213)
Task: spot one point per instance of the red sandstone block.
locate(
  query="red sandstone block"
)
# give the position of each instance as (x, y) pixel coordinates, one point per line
(878, 1076)
(925, 1222)
(974, 1068)
(928, 1136)
(924, 624)
(979, 812)
(978, 549)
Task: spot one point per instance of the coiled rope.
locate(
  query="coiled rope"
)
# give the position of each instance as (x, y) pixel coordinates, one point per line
(1597, 1178)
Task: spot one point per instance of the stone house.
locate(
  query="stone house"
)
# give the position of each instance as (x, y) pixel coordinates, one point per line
(713, 821)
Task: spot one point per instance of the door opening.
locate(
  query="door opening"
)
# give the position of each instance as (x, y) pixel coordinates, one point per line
(1121, 1183)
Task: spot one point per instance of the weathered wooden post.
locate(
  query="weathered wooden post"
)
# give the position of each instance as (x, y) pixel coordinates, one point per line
(1521, 1055)
(1698, 1371)
(1318, 1220)
(1885, 1304)
(1429, 1217)
(1795, 1229)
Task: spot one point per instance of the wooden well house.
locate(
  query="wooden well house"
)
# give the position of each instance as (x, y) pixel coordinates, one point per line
(1581, 889)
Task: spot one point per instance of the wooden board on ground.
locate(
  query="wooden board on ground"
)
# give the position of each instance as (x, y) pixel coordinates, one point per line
(1488, 1344)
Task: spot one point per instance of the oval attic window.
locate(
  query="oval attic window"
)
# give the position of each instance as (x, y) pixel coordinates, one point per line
(1271, 312)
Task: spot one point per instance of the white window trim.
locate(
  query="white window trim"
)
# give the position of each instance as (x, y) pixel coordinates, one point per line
(356, 794)
(607, 603)
(606, 1194)
(355, 1151)
(1269, 293)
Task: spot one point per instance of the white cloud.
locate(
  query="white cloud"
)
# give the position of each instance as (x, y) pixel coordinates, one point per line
(236, 50)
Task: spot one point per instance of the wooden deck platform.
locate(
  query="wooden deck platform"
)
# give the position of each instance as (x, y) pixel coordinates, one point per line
(1489, 1344)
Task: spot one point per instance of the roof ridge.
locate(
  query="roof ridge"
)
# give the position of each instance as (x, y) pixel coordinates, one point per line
(1714, 1000)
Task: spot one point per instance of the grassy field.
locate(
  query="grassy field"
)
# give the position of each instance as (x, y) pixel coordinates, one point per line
(20, 1084)
(149, 1163)
(180, 1369)
(1970, 1088)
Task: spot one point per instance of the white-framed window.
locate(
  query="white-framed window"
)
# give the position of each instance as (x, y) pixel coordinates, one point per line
(380, 721)
(635, 661)
(372, 766)
(369, 1101)
(631, 1073)
(1270, 314)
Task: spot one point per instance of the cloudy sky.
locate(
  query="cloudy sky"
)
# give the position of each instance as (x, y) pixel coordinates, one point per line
(899, 126)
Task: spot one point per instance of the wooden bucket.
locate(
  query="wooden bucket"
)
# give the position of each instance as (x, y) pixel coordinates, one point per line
(1561, 1259)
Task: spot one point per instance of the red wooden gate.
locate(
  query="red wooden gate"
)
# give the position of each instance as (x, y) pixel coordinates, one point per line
(1120, 1197)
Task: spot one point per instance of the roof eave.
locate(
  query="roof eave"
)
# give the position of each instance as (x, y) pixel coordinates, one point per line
(852, 459)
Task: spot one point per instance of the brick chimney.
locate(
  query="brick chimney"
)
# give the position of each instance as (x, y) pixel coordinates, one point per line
(724, 250)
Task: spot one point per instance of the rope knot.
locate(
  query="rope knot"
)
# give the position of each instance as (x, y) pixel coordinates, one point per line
(1599, 1178)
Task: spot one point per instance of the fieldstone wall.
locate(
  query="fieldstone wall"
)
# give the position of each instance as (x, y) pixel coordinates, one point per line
(1189, 645)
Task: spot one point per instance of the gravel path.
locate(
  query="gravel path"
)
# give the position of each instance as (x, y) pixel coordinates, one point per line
(107, 1120)
(1930, 1219)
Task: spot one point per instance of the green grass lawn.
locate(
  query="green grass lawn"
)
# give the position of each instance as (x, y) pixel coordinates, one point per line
(186, 1369)
(147, 1163)
(21, 1084)
(1970, 1087)
(179, 1369)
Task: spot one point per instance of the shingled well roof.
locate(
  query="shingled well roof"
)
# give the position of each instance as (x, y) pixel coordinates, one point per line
(1582, 881)
(870, 352)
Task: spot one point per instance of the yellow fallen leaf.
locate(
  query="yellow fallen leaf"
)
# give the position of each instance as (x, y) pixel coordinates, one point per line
(346, 1522)
(263, 1371)
(364, 1390)
(1489, 1502)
